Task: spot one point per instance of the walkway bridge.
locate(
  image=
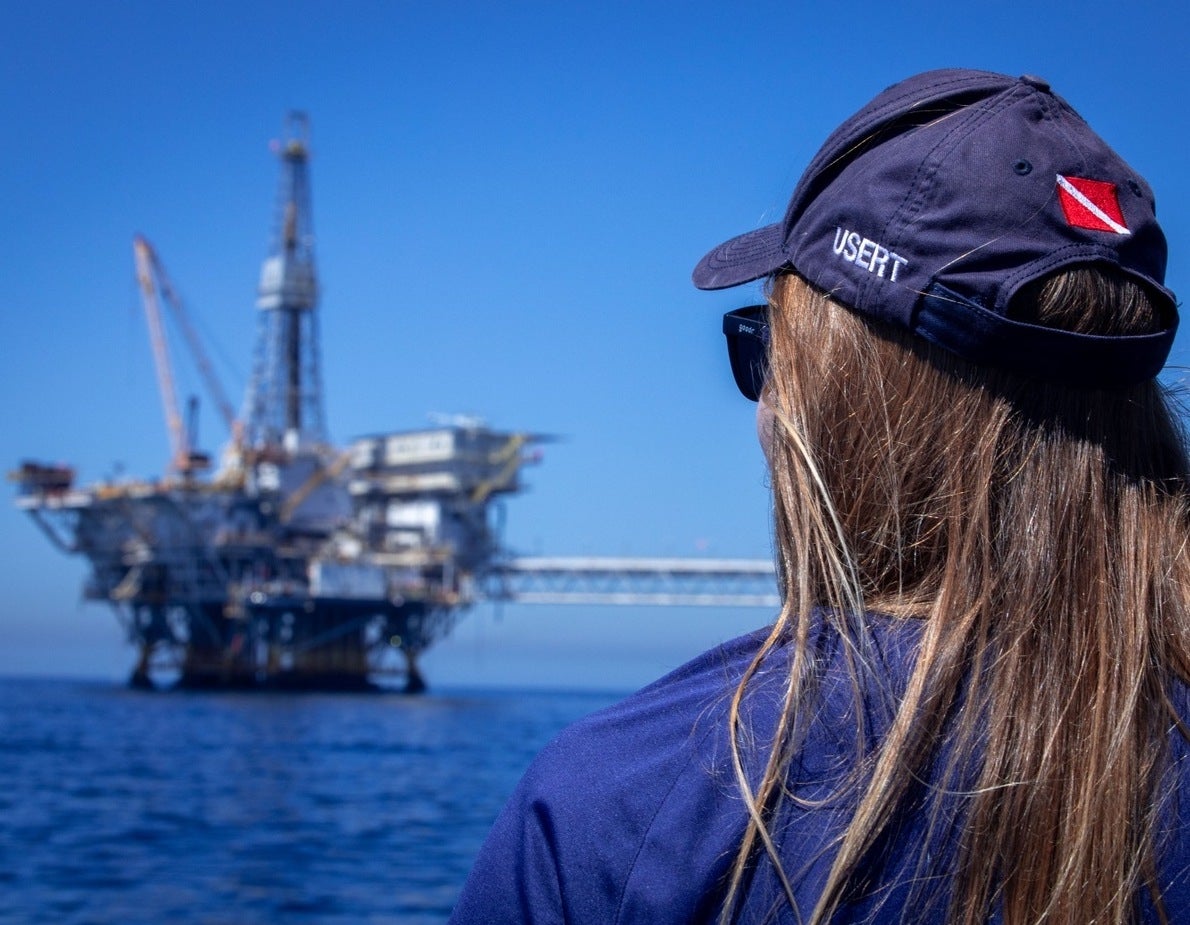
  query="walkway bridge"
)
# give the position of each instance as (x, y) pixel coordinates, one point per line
(635, 582)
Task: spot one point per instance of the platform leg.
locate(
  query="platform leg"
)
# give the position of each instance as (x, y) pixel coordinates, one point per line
(140, 679)
(415, 683)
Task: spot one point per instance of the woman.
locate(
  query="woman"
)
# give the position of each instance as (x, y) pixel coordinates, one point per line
(973, 703)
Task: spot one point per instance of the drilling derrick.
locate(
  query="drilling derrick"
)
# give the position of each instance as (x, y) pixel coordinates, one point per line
(285, 396)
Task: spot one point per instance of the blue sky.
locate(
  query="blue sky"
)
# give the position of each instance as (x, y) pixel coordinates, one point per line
(508, 200)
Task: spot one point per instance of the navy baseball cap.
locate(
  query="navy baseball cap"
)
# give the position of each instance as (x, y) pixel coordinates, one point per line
(934, 205)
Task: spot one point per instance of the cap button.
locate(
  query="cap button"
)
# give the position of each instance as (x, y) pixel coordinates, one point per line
(1036, 83)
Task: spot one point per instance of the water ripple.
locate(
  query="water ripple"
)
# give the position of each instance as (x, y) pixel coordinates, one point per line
(213, 809)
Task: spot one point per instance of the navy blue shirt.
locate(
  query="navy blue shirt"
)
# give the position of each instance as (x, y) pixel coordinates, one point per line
(634, 814)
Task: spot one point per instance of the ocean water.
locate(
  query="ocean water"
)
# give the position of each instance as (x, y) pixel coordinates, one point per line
(203, 809)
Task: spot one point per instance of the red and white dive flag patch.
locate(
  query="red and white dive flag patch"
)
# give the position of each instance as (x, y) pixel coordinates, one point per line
(1091, 204)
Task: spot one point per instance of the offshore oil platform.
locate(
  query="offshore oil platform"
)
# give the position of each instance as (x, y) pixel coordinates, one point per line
(295, 564)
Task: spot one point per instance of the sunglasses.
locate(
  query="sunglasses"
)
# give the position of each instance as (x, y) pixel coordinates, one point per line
(747, 332)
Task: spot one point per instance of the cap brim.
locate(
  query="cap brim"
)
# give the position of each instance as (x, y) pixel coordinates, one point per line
(743, 259)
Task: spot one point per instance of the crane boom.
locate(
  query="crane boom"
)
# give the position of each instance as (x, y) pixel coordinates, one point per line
(143, 254)
(156, 288)
(226, 411)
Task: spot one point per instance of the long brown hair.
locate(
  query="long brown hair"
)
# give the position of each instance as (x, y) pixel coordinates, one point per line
(1039, 534)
